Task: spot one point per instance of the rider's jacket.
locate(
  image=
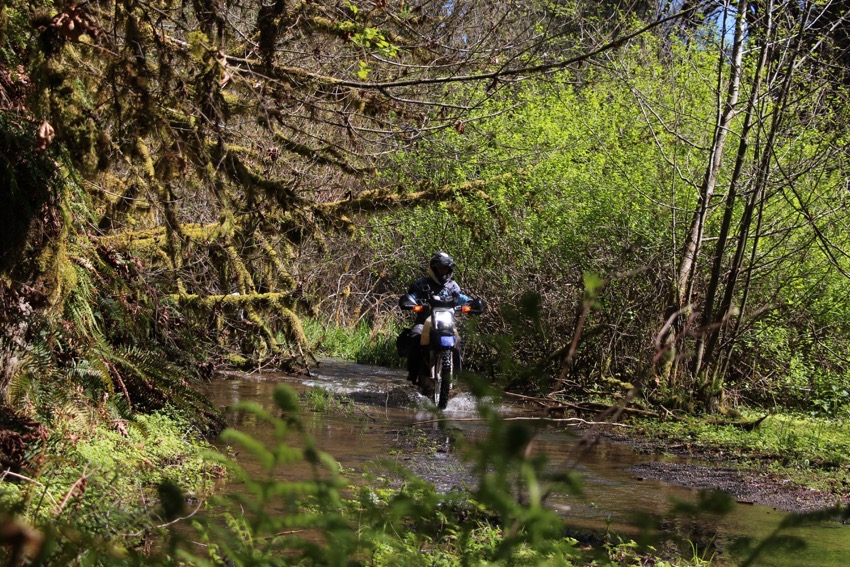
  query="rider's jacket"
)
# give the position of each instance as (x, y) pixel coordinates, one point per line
(424, 288)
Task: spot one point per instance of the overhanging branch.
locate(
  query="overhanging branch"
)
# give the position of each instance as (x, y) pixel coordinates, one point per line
(391, 197)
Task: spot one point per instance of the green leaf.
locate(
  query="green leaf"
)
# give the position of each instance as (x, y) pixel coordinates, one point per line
(285, 398)
(254, 447)
(364, 71)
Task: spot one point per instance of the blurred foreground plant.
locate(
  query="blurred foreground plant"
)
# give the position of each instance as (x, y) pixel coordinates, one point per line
(287, 503)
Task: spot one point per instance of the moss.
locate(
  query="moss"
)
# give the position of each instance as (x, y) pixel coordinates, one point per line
(140, 239)
(241, 150)
(66, 279)
(120, 464)
(296, 330)
(259, 309)
(325, 23)
(389, 197)
(226, 223)
(233, 300)
(237, 360)
(618, 384)
(114, 185)
(287, 281)
(230, 99)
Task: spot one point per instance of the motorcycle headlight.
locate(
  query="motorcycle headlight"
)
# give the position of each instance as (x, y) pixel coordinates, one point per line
(443, 320)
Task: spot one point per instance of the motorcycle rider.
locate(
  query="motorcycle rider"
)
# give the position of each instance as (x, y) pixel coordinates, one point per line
(438, 282)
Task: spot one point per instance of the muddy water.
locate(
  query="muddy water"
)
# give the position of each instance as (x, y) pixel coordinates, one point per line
(385, 406)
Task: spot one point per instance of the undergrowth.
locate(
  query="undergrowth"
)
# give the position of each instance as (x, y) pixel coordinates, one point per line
(320, 400)
(95, 488)
(361, 343)
(388, 519)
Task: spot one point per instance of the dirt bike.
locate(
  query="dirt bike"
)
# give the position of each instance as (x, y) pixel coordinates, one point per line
(440, 342)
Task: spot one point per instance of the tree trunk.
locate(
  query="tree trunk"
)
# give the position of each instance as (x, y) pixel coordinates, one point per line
(712, 322)
(685, 280)
(681, 310)
(756, 202)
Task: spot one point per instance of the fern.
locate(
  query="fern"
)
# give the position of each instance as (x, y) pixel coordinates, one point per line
(153, 382)
(78, 308)
(38, 362)
(92, 375)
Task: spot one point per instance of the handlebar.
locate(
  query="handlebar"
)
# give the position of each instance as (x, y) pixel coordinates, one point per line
(409, 302)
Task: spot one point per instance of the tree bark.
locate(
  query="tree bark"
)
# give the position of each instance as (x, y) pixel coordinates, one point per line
(685, 280)
(711, 321)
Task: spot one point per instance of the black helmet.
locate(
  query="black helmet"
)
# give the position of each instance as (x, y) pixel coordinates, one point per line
(441, 267)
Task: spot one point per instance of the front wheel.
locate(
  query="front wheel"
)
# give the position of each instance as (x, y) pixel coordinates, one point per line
(445, 381)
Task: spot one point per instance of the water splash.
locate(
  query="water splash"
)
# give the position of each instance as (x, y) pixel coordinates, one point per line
(461, 404)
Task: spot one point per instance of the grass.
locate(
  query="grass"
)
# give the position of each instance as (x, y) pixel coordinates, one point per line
(361, 344)
(320, 400)
(810, 450)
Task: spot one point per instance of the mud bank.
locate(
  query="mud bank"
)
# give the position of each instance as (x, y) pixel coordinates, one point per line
(717, 471)
(746, 486)
(436, 461)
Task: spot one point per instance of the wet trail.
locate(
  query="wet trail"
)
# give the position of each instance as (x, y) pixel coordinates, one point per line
(386, 407)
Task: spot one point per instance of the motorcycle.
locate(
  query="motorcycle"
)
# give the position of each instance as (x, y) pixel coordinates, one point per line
(440, 342)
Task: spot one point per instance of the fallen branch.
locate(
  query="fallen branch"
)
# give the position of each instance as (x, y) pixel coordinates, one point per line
(598, 407)
(536, 400)
(745, 425)
(552, 405)
(568, 420)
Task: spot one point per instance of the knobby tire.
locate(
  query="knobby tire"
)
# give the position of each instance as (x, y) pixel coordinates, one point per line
(445, 368)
